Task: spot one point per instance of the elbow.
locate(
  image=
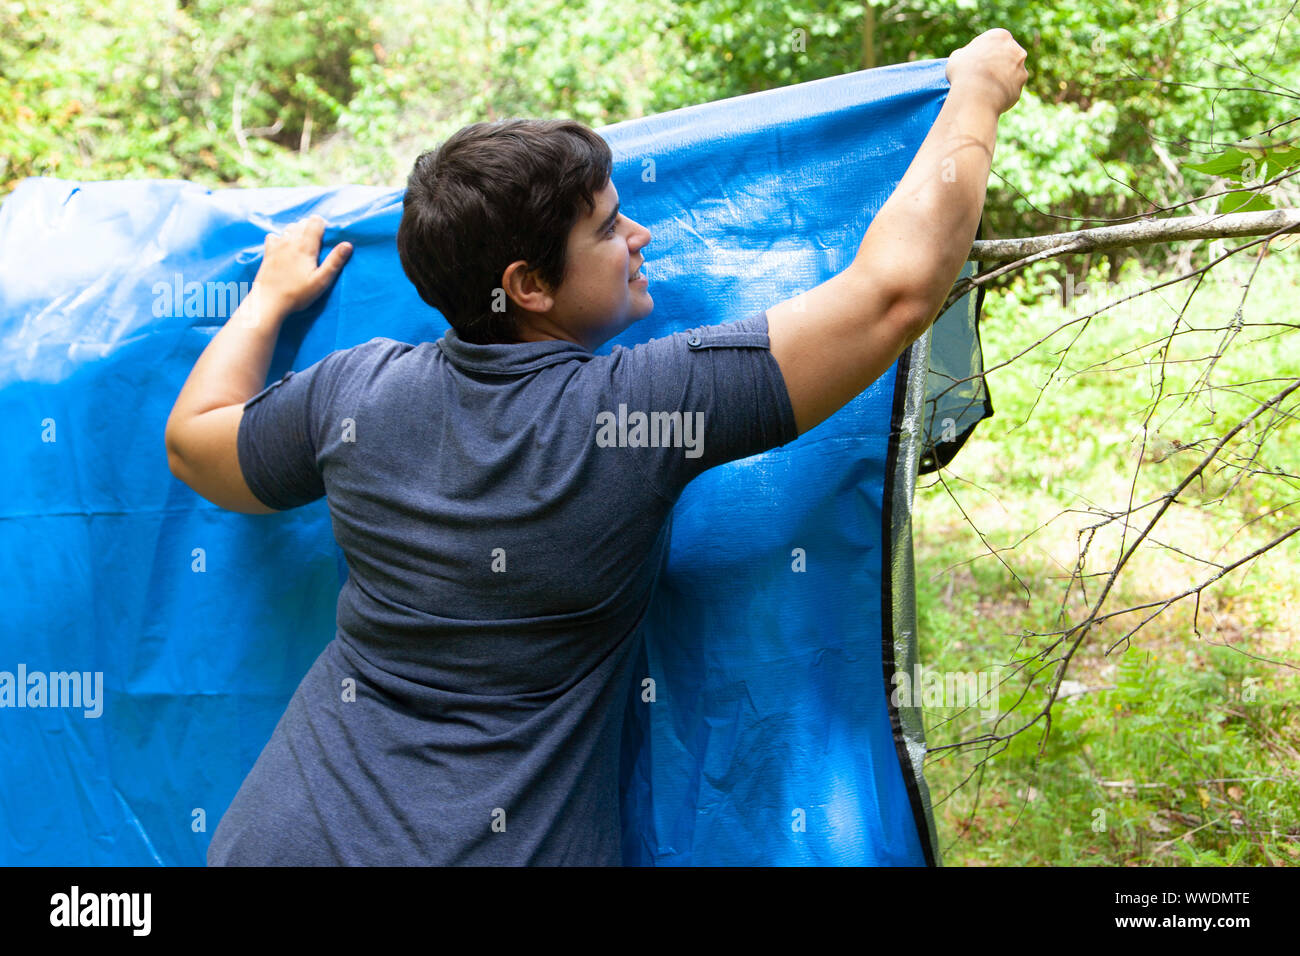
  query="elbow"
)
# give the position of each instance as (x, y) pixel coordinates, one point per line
(176, 466)
(175, 461)
(914, 315)
(911, 297)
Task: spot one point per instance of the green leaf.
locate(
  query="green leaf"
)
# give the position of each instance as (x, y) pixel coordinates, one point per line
(1228, 164)
(1280, 160)
(1245, 202)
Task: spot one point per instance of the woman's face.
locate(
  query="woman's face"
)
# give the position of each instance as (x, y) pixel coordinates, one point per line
(598, 297)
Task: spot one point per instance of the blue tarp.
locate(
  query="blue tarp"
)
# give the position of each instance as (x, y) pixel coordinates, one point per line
(787, 600)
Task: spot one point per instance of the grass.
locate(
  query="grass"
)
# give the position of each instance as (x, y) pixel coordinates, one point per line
(1178, 743)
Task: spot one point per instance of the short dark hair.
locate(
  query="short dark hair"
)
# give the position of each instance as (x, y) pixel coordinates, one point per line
(493, 193)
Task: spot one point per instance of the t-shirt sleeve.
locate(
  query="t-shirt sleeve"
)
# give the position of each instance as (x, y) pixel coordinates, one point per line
(280, 432)
(690, 401)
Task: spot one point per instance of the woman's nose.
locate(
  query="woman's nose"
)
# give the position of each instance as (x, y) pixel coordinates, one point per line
(641, 235)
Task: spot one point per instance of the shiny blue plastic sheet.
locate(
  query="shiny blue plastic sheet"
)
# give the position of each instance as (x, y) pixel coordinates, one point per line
(783, 610)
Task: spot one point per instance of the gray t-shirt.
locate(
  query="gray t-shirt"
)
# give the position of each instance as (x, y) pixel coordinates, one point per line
(504, 511)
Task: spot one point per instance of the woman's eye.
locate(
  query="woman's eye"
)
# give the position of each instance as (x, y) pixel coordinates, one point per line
(612, 228)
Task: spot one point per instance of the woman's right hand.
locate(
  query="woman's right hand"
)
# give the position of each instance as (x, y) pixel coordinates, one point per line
(993, 63)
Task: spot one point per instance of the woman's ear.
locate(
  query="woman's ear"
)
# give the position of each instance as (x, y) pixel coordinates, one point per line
(526, 288)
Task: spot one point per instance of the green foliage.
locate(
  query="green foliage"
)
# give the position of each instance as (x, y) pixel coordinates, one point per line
(210, 91)
(1248, 167)
(741, 46)
(1050, 152)
(1169, 766)
(280, 92)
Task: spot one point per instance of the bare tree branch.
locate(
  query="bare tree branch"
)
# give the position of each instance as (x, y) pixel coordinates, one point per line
(1036, 248)
(1140, 233)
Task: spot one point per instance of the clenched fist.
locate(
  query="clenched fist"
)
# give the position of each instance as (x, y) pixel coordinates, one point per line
(994, 64)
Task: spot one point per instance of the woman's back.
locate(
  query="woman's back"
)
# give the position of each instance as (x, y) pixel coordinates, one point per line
(504, 515)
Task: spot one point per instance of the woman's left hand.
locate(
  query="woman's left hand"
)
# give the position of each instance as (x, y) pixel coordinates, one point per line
(289, 278)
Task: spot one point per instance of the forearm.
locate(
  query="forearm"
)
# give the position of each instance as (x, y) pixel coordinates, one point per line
(922, 236)
(232, 369)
